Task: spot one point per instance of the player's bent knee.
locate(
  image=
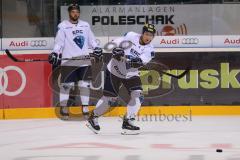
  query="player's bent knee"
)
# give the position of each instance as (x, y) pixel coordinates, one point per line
(84, 84)
(66, 87)
(138, 94)
(112, 101)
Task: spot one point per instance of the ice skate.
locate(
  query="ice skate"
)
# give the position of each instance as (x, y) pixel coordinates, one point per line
(64, 112)
(92, 123)
(128, 127)
(85, 112)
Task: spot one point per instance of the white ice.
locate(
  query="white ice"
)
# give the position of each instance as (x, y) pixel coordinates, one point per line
(54, 139)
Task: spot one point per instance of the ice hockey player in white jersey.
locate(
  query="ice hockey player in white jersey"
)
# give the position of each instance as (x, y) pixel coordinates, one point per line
(122, 69)
(73, 39)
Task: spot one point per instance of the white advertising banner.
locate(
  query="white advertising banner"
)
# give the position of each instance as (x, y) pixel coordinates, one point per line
(216, 41)
(40, 43)
(226, 41)
(115, 20)
(182, 41)
(223, 41)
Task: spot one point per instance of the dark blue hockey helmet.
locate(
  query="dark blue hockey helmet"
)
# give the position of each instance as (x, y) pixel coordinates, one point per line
(73, 7)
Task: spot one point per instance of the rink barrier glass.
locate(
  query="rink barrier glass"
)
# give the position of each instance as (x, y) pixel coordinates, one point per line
(40, 18)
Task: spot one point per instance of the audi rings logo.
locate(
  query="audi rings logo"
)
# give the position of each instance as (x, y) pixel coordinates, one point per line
(38, 43)
(4, 84)
(190, 41)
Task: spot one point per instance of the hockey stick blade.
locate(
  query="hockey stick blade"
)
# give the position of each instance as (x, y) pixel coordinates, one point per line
(11, 56)
(23, 60)
(177, 76)
(85, 57)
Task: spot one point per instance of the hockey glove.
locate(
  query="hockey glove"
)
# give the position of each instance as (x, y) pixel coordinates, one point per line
(54, 58)
(97, 54)
(118, 53)
(135, 62)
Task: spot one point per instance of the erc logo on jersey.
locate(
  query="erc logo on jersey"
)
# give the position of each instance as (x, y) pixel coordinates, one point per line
(79, 40)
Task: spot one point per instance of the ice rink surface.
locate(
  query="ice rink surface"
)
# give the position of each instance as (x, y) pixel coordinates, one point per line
(54, 139)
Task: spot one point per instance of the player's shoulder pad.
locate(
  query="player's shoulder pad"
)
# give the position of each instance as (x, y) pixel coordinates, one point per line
(63, 25)
(84, 23)
(130, 34)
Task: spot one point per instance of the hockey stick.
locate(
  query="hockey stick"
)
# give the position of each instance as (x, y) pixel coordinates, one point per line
(163, 71)
(177, 76)
(186, 70)
(126, 58)
(85, 57)
(15, 59)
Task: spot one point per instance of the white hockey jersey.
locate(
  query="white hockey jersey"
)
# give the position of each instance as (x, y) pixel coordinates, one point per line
(145, 52)
(74, 40)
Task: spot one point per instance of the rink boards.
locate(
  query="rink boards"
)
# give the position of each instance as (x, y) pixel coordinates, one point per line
(182, 112)
(209, 91)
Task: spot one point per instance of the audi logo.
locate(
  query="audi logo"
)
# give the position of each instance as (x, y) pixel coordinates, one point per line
(190, 41)
(4, 84)
(38, 43)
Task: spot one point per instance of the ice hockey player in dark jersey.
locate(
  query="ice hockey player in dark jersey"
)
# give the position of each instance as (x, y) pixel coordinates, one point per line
(123, 69)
